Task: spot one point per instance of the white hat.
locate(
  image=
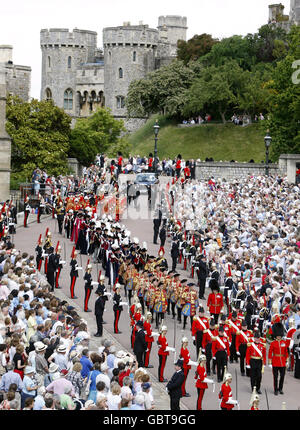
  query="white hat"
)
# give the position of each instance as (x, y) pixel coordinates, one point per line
(120, 354)
(61, 348)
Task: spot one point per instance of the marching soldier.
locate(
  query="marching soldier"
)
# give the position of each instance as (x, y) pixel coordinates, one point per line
(73, 272)
(117, 308)
(149, 338)
(47, 246)
(215, 300)
(60, 215)
(256, 360)
(220, 352)
(201, 380)
(227, 402)
(59, 265)
(191, 303)
(39, 253)
(290, 342)
(173, 293)
(235, 326)
(51, 267)
(163, 352)
(243, 339)
(99, 309)
(136, 317)
(179, 300)
(278, 357)
(160, 304)
(209, 336)
(87, 287)
(200, 323)
(185, 356)
(27, 210)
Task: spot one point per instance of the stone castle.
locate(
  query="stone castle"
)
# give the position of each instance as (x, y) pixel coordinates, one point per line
(80, 77)
(278, 18)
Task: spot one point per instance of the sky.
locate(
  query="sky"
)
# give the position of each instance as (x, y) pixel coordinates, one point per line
(22, 20)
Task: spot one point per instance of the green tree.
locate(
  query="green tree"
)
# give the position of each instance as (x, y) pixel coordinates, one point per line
(40, 136)
(100, 132)
(217, 88)
(161, 91)
(284, 112)
(195, 47)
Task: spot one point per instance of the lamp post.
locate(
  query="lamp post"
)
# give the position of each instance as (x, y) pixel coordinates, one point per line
(268, 140)
(156, 130)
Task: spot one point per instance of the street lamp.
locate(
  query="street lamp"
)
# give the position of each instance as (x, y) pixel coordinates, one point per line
(268, 140)
(156, 130)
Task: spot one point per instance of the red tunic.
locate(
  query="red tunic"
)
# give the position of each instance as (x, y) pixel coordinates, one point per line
(200, 376)
(148, 332)
(178, 164)
(162, 341)
(278, 353)
(207, 337)
(197, 326)
(240, 338)
(289, 336)
(226, 395)
(215, 303)
(185, 355)
(217, 346)
(252, 352)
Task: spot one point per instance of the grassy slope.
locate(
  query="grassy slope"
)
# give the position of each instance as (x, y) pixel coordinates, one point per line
(221, 142)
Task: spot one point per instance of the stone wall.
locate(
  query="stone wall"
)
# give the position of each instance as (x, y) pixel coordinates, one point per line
(5, 142)
(18, 81)
(204, 170)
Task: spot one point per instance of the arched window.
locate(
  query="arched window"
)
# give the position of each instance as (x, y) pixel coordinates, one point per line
(120, 102)
(69, 62)
(68, 99)
(134, 56)
(48, 94)
(49, 61)
(120, 72)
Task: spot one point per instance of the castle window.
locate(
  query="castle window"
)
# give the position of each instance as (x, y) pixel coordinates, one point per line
(69, 62)
(120, 72)
(68, 99)
(134, 56)
(48, 94)
(120, 102)
(49, 61)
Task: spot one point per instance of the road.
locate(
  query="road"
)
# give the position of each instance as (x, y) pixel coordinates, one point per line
(140, 225)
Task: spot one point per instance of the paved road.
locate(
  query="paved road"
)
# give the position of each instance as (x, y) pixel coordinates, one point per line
(141, 227)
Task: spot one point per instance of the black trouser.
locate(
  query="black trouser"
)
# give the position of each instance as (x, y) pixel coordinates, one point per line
(184, 321)
(255, 373)
(129, 295)
(173, 309)
(216, 317)
(201, 283)
(208, 354)
(221, 362)
(232, 348)
(174, 403)
(140, 358)
(174, 263)
(60, 225)
(278, 371)
(159, 316)
(168, 306)
(198, 340)
(155, 235)
(99, 321)
(179, 314)
(242, 351)
(141, 299)
(50, 279)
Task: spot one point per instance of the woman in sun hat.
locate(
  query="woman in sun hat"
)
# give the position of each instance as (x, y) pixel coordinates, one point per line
(29, 385)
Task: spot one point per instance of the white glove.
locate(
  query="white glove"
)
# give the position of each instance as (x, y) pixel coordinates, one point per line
(155, 334)
(94, 283)
(107, 294)
(192, 363)
(232, 402)
(62, 262)
(208, 381)
(55, 216)
(123, 304)
(270, 365)
(238, 353)
(78, 268)
(214, 358)
(248, 366)
(168, 348)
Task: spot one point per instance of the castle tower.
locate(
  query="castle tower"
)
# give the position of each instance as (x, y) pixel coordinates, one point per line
(275, 12)
(5, 142)
(295, 12)
(129, 54)
(172, 28)
(62, 53)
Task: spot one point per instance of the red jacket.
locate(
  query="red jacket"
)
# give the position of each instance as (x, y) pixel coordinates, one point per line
(148, 332)
(162, 341)
(200, 376)
(252, 352)
(240, 339)
(217, 346)
(207, 337)
(185, 356)
(237, 323)
(178, 164)
(226, 395)
(278, 353)
(289, 336)
(197, 326)
(215, 303)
